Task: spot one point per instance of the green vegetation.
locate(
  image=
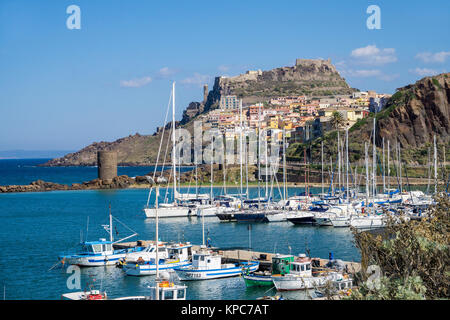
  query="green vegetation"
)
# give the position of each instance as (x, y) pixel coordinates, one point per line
(412, 257)
(436, 83)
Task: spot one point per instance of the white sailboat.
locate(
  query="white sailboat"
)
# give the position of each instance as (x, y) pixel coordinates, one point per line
(173, 209)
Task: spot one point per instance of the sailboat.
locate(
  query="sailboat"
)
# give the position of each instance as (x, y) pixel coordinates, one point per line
(171, 209)
(98, 253)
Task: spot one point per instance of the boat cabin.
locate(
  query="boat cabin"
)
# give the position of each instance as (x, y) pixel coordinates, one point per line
(101, 247)
(281, 264)
(180, 251)
(206, 261)
(302, 266)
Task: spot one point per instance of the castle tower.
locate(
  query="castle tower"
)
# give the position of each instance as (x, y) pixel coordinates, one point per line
(107, 164)
(205, 93)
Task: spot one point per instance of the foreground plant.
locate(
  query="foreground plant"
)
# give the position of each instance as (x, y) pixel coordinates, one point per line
(411, 259)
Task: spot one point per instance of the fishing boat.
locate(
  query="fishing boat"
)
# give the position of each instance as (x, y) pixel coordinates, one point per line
(178, 256)
(208, 265)
(280, 265)
(145, 255)
(168, 290)
(301, 276)
(98, 253)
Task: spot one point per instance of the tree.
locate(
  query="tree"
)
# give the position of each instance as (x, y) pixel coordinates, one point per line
(337, 120)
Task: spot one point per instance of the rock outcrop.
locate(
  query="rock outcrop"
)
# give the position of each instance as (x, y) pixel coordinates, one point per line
(414, 114)
(307, 77)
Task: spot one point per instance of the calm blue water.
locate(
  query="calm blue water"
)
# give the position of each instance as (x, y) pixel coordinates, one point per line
(36, 227)
(24, 171)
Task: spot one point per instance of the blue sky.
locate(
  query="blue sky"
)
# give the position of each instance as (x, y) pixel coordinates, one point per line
(64, 89)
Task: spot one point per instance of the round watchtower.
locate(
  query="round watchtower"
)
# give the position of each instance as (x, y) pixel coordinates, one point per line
(107, 164)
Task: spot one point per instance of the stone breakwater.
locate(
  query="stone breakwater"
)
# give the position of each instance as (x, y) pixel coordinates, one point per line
(119, 182)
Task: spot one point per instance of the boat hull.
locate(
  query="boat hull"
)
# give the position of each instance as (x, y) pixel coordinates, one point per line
(189, 274)
(148, 269)
(169, 212)
(292, 283)
(93, 261)
(252, 280)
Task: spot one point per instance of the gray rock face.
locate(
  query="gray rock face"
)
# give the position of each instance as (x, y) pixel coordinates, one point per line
(307, 77)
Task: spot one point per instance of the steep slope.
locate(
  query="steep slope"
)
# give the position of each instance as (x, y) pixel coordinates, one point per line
(413, 115)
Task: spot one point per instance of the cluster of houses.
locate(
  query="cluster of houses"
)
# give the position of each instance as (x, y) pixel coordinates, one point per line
(301, 118)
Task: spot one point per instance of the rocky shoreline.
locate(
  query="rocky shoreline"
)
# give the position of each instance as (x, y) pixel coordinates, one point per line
(120, 182)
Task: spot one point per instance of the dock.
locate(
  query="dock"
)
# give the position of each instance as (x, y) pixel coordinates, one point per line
(239, 255)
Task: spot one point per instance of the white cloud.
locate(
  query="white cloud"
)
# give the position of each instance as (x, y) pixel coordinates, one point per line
(423, 72)
(166, 72)
(196, 79)
(438, 57)
(364, 73)
(135, 83)
(372, 55)
(369, 73)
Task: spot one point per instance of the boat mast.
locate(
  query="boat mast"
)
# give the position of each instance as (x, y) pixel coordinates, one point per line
(400, 166)
(322, 164)
(284, 167)
(212, 169)
(346, 162)
(110, 225)
(339, 162)
(174, 163)
(388, 166)
(435, 165)
(384, 178)
(367, 174)
(240, 145)
(267, 162)
(157, 244)
(259, 156)
(246, 146)
(374, 162)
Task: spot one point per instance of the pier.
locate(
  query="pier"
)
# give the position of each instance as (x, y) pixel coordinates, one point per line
(240, 255)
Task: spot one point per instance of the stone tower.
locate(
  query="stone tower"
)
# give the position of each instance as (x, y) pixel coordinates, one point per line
(205, 93)
(107, 164)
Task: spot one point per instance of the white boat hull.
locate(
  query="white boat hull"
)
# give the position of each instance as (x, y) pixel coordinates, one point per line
(188, 274)
(292, 282)
(94, 261)
(367, 223)
(169, 212)
(150, 269)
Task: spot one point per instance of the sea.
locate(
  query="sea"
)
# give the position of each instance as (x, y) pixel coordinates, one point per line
(36, 227)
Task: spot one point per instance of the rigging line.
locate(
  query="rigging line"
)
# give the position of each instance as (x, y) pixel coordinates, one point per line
(124, 224)
(159, 149)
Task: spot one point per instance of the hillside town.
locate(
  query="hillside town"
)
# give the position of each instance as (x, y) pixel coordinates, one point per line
(302, 118)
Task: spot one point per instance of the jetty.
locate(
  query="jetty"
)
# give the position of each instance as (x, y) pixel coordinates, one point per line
(240, 255)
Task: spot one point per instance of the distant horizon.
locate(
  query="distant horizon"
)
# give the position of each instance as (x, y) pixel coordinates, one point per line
(18, 154)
